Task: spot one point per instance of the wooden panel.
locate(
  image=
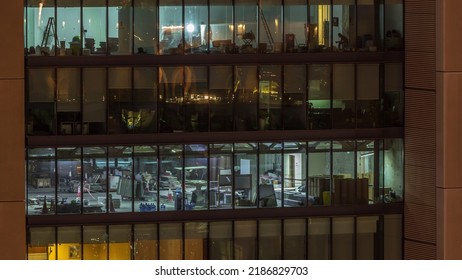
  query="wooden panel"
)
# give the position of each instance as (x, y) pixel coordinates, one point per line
(420, 185)
(420, 223)
(420, 70)
(420, 109)
(419, 251)
(420, 33)
(420, 6)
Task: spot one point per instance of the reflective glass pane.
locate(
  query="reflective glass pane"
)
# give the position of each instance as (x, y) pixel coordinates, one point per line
(269, 232)
(270, 171)
(366, 161)
(120, 242)
(195, 241)
(294, 97)
(94, 27)
(221, 98)
(343, 170)
(368, 25)
(41, 102)
(195, 20)
(270, 27)
(95, 243)
(170, 27)
(319, 173)
(120, 36)
(343, 238)
(366, 240)
(394, 25)
(245, 240)
(40, 16)
(393, 94)
(368, 95)
(319, 234)
(145, 242)
(319, 28)
(270, 97)
(120, 116)
(246, 29)
(295, 187)
(171, 98)
(94, 101)
(343, 112)
(220, 36)
(70, 245)
(245, 170)
(121, 193)
(195, 175)
(68, 101)
(319, 95)
(171, 241)
(246, 87)
(221, 176)
(294, 239)
(145, 100)
(42, 244)
(393, 164)
(68, 26)
(221, 241)
(196, 106)
(145, 32)
(344, 25)
(393, 237)
(171, 177)
(295, 26)
(70, 191)
(41, 180)
(95, 179)
(146, 170)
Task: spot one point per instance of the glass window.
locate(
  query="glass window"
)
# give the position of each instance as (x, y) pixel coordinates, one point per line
(392, 171)
(319, 28)
(94, 101)
(41, 180)
(295, 188)
(366, 241)
(245, 240)
(221, 96)
(246, 87)
(245, 170)
(69, 245)
(171, 177)
(145, 184)
(195, 176)
(145, 242)
(344, 25)
(145, 100)
(294, 97)
(319, 234)
(70, 191)
(270, 87)
(270, 27)
(171, 241)
(320, 96)
(394, 25)
(221, 240)
(94, 27)
(171, 95)
(295, 26)
(95, 243)
(343, 96)
(343, 238)
(120, 37)
(246, 29)
(269, 232)
(145, 35)
(196, 106)
(120, 241)
(294, 239)
(120, 116)
(343, 170)
(68, 26)
(366, 161)
(170, 27)
(42, 244)
(41, 101)
(68, 101)
(121, 193)
(40, 17)
(368, 25)
(220, 35)
(195, 241)
(196, 16)
(393, 95)
(368, 95)
(393, 237)
(95, 178)
(270, 175)
(319, 173)
(221, 176)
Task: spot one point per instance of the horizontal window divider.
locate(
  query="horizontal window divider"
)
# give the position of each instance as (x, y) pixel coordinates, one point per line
(214, 137)
(210, 59)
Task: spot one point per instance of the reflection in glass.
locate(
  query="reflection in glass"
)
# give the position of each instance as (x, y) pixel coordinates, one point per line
(70, 190)
(245, 240)
(366, 240)
(295, 187)
(195, 241)
(271, 22)
(94, 180)
(245, 28)
(319, 95)
(245, 170)
(68, 108)
(195, 23)
(94, 101)
(41, 180)
(95, 243)
(69, 245)
(120, 242)
(319, 234)
(295, 26)
(343, 238)
(294, 239)
(41, 102)
(94, 27)
(171, 98)
(294, 97)
(120, 115)
(41, 245)
(197, 98)
(219, 37)
(270, 83)
(121, 189)
(246, 94)
(120, 36)
(171, 177)
(170, 27)
(171, 241)
(145, 242)
(144, 107)
(269, 232)
(145, 32)
(394, 25)
(343, 170)
(343, 112)
(319, 173)
(221, 240)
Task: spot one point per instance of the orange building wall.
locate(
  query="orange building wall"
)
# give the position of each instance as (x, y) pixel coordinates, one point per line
(12, 191)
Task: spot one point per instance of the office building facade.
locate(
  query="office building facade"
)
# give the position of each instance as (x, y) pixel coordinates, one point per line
(207, 129)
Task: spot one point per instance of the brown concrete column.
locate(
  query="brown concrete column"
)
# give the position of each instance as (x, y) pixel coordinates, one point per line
(449, 129)
(12, 194)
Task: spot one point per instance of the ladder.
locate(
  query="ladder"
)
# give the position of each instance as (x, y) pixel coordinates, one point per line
(265, 25)
(49, 31)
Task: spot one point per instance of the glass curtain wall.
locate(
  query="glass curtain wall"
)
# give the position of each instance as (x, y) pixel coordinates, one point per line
(296, 28)
(41, 118)
(219, 37)
(246, 95)
(68, 102)
(95, 179)
(221, 240)
(221, 98)
(122, 193)
(145, 168)
(171, 99)
(245, 174)
(94, 101)
(196, 98)
(195, 241)
(41, 180)
(368, 95)
(320, 96)
(344, 25)
(319, 173)
(270, 96)
(294, 97)
(120, 240)
(145, 36)
(246, 25)
(343, 89)
(245, 240)
(294, 241)
(270, 183)
(196, 19)
(344, 172)
(393, 25)
(221, 177)
(42, 244)
(145, 242)
(120, 98)
(171, 27)
(171, 177)
(144, 107)
(94, 20)
(319, 26)
(195, 176)
(294, 177)
(69, 198)
(68, 26)
(270, 26)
